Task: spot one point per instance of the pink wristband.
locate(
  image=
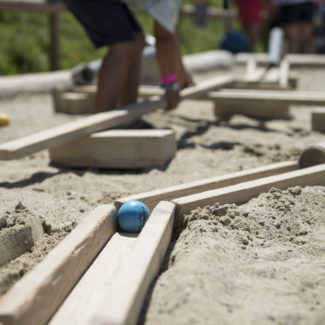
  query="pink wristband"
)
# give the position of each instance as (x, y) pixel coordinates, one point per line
(169, 80)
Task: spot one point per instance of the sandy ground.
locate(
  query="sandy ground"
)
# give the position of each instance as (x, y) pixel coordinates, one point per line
(206, 148)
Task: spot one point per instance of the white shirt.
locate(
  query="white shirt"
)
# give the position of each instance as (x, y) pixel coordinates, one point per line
(164, 11)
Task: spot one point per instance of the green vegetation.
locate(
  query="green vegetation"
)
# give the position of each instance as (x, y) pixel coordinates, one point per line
(24, 45)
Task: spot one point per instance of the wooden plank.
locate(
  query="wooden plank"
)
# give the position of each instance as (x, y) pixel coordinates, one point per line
(34, 298)
(126, 295)
(97, 122)
(118, 149)
(154, 197)
(243, 192)
(284, 73)
(296, 60)
(114, 287)
(83, 299)
(247, 97)
(318, 120)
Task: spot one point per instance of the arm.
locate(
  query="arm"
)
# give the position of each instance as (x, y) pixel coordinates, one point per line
(170, 63)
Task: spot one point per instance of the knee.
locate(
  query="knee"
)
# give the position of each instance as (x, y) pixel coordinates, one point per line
(128, 50)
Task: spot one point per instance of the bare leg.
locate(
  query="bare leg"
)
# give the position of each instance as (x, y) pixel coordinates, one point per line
(129, 91)
(306, 38)
(116, 67)
(292, 33)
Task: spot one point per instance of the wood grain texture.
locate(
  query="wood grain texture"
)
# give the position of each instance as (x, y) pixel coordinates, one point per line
(78, 307)
(126, 295)
(152, 198)
(35, 298)
(243, 192)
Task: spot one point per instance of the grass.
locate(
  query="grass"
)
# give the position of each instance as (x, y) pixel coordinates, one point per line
(24, 46)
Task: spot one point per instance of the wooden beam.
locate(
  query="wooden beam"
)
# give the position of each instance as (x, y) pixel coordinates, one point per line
(247, 96)
(296, 60)
(109, 290)
(70, 131)
(79, 305)
(34, 298)
(152, 198)
(245, 191)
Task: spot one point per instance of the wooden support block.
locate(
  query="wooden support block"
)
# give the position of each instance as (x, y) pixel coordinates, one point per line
(118, 149)
(76, 103)
(245, 191)
(73, 102)
(266, 104)
(260, 111)
(318, 119)
(313, 155)
(34, 298)
(152, 198)
(101, 121)
(125, 296)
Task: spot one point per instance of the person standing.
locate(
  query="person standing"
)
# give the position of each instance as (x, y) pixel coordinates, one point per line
(249, 14)
(296, 18)
(111, 23)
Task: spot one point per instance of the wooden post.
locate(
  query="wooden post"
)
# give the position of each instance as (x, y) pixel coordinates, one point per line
(54, 26)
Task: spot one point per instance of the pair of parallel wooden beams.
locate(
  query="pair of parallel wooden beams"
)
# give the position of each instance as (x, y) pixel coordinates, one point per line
(115, 284)
(98, 122)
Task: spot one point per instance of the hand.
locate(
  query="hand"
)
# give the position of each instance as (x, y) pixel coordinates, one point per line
(173, 98)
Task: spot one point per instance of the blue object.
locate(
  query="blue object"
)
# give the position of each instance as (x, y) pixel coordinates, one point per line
(132, 216)
(235, 42)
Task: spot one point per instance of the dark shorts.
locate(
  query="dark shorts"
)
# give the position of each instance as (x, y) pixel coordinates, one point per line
(105, 21)
(297, 13)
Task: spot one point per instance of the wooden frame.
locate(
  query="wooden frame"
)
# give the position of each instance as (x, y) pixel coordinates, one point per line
(109, 293)
(70, 131)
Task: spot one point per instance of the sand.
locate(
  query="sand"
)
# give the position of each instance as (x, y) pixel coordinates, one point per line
(259, 263)
(206, 148)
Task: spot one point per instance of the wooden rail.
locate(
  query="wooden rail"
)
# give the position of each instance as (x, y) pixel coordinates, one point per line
(36, 297)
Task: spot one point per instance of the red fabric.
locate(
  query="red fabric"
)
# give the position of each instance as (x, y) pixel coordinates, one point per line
(249, 11)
